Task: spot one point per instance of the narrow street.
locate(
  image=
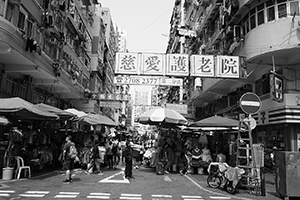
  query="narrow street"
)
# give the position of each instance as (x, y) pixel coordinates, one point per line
(146, 185)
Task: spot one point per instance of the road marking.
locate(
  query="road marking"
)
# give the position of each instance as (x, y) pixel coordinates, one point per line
(167, 178)
(131, 196)
(214, 193)
(72, 193)
(37, 192)
(65, 196)
(99, 196)
(7, 191)
(32, 195)
(186, 197)
(212, 197)
(161, 195)
(134, 195)
(4, 195)
(108, 179)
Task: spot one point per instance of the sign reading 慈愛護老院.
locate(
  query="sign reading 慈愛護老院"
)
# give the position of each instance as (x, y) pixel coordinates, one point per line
(178, 65)
(147, 80)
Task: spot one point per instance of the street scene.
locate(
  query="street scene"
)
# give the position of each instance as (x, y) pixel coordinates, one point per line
(153, 100)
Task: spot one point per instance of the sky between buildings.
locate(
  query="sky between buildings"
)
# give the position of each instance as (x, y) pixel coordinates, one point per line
(147, 22)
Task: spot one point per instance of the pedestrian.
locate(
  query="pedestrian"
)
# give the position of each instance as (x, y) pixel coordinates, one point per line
(109, 155)
(69, 155)
(95, 159)
(128, 160)
(116, 153)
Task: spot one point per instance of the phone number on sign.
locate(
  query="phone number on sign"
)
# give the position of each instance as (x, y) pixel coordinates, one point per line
(141, 81)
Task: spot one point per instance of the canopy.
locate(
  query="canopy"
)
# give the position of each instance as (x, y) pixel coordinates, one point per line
(216, 121)
(97, 119)
(76, 112)
(3, 120)
(19, 108)
(158, 116)
(63, 115)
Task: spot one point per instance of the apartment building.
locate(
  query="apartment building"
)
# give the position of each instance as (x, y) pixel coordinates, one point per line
(44, 50)
(265, 34)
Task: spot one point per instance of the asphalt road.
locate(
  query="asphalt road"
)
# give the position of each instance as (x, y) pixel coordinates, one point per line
(112, 185)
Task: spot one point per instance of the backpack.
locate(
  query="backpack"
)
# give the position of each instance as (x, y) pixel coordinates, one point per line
(72, 152)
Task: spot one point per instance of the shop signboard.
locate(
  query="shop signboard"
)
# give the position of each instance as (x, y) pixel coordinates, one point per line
(187, 33)
(180, 108)
(113, 97)
(276, 87)
(147, 80)
(202, 65)
(179, 65)
(227, 67)
(110, 104)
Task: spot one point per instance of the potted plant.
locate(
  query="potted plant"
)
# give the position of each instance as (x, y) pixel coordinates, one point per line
(8, 169)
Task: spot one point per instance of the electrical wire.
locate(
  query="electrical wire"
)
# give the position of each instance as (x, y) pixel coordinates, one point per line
(149, 25)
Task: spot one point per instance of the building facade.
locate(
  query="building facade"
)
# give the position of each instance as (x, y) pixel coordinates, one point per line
(266, 35)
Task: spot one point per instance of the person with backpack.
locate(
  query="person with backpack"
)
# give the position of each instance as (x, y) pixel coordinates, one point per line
(69, 156)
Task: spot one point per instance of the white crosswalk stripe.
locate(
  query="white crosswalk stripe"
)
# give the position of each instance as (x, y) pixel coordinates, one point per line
(187, 197)
(219, 197)
(67, 195)
(99, 196)
(131, 196)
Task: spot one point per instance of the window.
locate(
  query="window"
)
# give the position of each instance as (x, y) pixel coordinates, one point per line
(294, 8)
(270, 10)
(29, 28)
(246, 24)
(9, 11)
(282, 11)
(252, 19)
(260, 14)
(21, 21)
(2, 3)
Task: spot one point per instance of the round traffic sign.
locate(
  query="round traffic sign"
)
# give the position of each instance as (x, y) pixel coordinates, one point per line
(250, 122)
(250, 103)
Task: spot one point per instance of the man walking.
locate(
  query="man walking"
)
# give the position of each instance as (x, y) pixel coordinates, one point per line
(96, 159)
(128, 160)
(69, 155)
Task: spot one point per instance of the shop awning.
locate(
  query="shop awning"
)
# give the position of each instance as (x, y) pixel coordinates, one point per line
(216, 121)
(97, 119)
(63, 115)
(76, 112)
(21, 109)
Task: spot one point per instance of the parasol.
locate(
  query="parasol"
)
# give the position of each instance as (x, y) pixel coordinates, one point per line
(3, 121)
(19, 108)
(158, 116)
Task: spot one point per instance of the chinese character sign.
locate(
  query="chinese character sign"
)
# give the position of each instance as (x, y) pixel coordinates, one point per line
(127, 63)
(177, 65)
(202, 65)
(276, 88)
(153, 64)
(228, 67)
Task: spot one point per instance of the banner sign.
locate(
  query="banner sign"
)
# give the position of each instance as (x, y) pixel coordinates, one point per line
(113, 97)
(178, 65)
(147, 80)
(110, 104)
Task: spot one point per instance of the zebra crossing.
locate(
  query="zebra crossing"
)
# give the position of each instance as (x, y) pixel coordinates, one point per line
(98, 195)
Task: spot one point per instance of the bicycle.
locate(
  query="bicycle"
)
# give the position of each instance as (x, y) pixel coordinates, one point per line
(217, 177)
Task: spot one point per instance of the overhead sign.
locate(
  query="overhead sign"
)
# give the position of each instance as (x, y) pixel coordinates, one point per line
(250, 103)
(147, 80)
(178, 65)
(110, 104)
